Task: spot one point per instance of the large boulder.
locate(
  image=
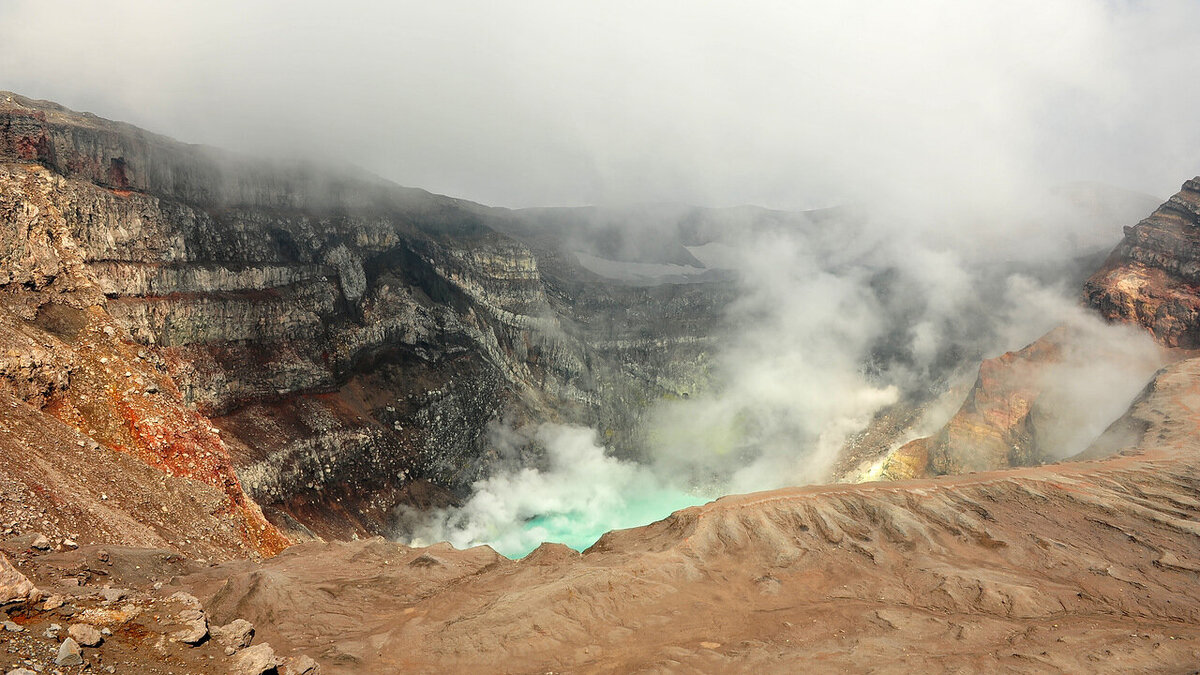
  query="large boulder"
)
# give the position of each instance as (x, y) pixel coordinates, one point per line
(255, 660)
(236, 634)
(14, 586)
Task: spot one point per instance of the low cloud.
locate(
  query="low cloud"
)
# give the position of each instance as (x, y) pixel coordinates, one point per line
(927, 106)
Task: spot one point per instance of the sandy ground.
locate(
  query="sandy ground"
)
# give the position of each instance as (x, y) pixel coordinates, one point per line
(1080, 567)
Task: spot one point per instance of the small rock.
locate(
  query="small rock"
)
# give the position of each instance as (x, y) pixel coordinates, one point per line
(185, 599)
(106, 631)
(299, 665)
(12, 627)
(85, 634)
(113, 594)
(237, 634)
(255, 660)
(69, 654)
(21, 671)
(53, 602)
(41, 543)
(70, 543)
(196, 625)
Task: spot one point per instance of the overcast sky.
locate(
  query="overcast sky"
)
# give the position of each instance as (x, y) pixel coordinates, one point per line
(784, 104)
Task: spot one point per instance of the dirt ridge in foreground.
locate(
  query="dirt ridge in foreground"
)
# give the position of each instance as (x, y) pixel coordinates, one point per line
(1087, 566)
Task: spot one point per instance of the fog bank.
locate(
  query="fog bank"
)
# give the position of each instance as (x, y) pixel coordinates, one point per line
(923, 105)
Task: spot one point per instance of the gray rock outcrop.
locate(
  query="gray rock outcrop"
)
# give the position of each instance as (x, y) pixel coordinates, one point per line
(193, 619)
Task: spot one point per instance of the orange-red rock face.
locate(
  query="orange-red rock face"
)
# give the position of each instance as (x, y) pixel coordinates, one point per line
(1043, 403)
(993, 428)
(62, 352)
(23, 135)
(1153, 276)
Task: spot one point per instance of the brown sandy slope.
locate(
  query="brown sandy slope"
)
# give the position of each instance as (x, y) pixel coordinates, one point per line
(1078, 567)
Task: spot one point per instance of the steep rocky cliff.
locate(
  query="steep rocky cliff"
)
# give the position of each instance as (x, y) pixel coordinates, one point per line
(1152, 276)
(352, 340)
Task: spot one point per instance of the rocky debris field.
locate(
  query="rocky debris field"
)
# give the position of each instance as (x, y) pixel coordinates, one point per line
(119, 610)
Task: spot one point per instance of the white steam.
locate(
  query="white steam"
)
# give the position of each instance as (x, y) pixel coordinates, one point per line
(834, 324)
(942, 123)
(578, 495)
(790, 384)
(1102, 368)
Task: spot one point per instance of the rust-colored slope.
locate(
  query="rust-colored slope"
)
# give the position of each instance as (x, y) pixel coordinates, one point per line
(64, 354)
(58, 482)
(1079, 567)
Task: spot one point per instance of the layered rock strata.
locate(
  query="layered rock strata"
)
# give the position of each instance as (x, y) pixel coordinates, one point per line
(1151, 278)
(352, 340)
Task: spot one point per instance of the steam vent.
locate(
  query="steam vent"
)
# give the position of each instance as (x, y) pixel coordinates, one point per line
(762, 339)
